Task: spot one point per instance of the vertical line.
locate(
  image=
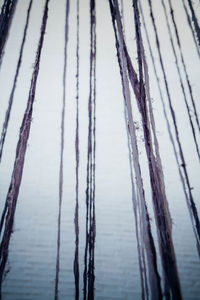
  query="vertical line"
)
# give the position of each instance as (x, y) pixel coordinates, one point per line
(7, 13)
(7, 115)
(184, 65)
(194, 19)
(179, 73)
(15, 183)
(89, 259)
(191, 203)
(145, 230)
(62, 150)
(191, 28)
(76, 218)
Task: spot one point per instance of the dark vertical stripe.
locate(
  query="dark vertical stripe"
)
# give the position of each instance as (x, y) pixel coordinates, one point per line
(146, 237)
(6, 17)
(7, 115)
(162, 216)
(191, 28)
(133, 149)
(179, 73)
(89, 259)
(76, 217)
(180, 169)
(62, 151)
(13, 191)
(191, 204)
(184, 65)
(195, 21)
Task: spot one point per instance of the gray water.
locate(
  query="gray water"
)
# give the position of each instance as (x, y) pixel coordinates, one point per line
(32, 253)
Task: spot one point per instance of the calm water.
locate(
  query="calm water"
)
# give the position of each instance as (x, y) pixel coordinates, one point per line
(31, 264)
